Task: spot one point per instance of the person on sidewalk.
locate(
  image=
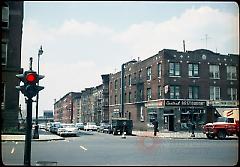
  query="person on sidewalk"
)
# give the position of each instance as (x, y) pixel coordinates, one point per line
(155, 126)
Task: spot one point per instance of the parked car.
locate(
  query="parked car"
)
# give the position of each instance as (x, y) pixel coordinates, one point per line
(90, 126)
(54, 127)
(80, 126)
(104, 128)
(42, 126)
(67, 130)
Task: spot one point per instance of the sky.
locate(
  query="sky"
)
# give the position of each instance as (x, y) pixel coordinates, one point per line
(81, 40)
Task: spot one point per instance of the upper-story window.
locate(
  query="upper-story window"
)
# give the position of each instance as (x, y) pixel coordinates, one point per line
(3, 95)
(140, 74)
(174, 92)
(149, 73)
(193, 92)
(159, 70)
(232, 93)
(231, 72)
(5, 16)
(214, 71)
(130, 97)
(174, 69)
(115, 99)
(193, 70)
(214, 93)
(4, 53)
(129, 80)
(115, 84)
(159, 92)
(149, 93)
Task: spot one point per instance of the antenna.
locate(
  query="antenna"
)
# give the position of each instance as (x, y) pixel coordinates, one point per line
(206, 38)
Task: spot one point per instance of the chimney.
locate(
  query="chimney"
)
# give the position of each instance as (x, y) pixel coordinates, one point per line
(183, 45)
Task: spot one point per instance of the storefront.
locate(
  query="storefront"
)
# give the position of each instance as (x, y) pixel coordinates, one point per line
(177, 115)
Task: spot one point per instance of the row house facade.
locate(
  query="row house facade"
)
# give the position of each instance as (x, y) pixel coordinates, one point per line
(63, 108)
(11, 42)
(176, 87)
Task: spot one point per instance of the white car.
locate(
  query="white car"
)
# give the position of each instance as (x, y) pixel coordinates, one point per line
(67, 130)
(90, 126)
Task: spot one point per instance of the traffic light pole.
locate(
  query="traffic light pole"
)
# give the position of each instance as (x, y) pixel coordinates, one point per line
(28, 136)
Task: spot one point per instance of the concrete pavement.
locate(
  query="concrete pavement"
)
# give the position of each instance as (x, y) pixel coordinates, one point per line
(163, 134)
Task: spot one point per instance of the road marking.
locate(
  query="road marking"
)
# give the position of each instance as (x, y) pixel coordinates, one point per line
(83, 148)
(13, 149)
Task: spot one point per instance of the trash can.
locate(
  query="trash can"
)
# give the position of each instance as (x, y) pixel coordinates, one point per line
(46, 163)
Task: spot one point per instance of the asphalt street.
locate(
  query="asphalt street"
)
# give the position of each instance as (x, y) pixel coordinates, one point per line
(94, 148)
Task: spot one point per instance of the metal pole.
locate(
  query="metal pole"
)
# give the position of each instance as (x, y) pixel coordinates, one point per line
(36, 134)
(122, 93)
(28, 136)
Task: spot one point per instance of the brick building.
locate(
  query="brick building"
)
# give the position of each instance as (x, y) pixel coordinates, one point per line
(63, 108)
(12, 23)
(176, 87)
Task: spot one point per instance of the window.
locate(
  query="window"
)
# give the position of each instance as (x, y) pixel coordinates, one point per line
(149, 73)
(5, 16)
(159, 92)
(174, 69)
(193, 92)
(193, 70)
(141, 94)
(129, 80)
(149, 94)
(124, 99)
(232, 93)
(140, 74)
(135, 96)
(159, 67)
(115, 84)
(3, 95)
(115, 99)
(174, 92)
(130, 97)
(4, 53)
(214, 93)
(231, 72)
(214, 71)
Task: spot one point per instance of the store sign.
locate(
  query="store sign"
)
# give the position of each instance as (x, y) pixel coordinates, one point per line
(155, 104)
(218, 103)
(184, 103)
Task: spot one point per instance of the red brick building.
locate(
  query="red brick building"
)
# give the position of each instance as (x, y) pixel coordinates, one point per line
(176, 87)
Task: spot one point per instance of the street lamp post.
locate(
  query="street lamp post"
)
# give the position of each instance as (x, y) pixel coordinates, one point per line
(36, 134)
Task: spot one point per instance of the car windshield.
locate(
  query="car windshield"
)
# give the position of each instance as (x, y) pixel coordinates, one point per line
(222, 119)
(92, 123)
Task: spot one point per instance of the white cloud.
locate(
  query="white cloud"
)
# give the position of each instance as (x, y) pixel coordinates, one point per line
(147, 38)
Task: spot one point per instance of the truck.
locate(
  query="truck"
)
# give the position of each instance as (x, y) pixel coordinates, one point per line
(227, 125)
(121, 125)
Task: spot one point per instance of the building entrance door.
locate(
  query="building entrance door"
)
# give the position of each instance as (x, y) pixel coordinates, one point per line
(169, 122)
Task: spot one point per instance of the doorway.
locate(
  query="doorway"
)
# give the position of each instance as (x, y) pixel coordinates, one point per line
(169, 122)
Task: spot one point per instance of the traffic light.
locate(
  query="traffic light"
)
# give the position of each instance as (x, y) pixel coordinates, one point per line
(30, 80)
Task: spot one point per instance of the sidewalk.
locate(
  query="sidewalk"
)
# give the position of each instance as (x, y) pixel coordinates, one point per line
(175, 135)
(22, 138)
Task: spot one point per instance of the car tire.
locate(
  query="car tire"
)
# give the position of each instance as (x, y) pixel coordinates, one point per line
(209, 136)
(221, 134)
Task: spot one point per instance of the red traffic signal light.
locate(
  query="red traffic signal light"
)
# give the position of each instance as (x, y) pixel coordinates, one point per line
(31, 77)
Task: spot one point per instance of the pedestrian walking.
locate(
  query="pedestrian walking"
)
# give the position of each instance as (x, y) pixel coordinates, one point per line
(155, 126)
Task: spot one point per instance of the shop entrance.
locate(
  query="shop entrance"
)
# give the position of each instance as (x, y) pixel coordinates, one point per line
(169, 122)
